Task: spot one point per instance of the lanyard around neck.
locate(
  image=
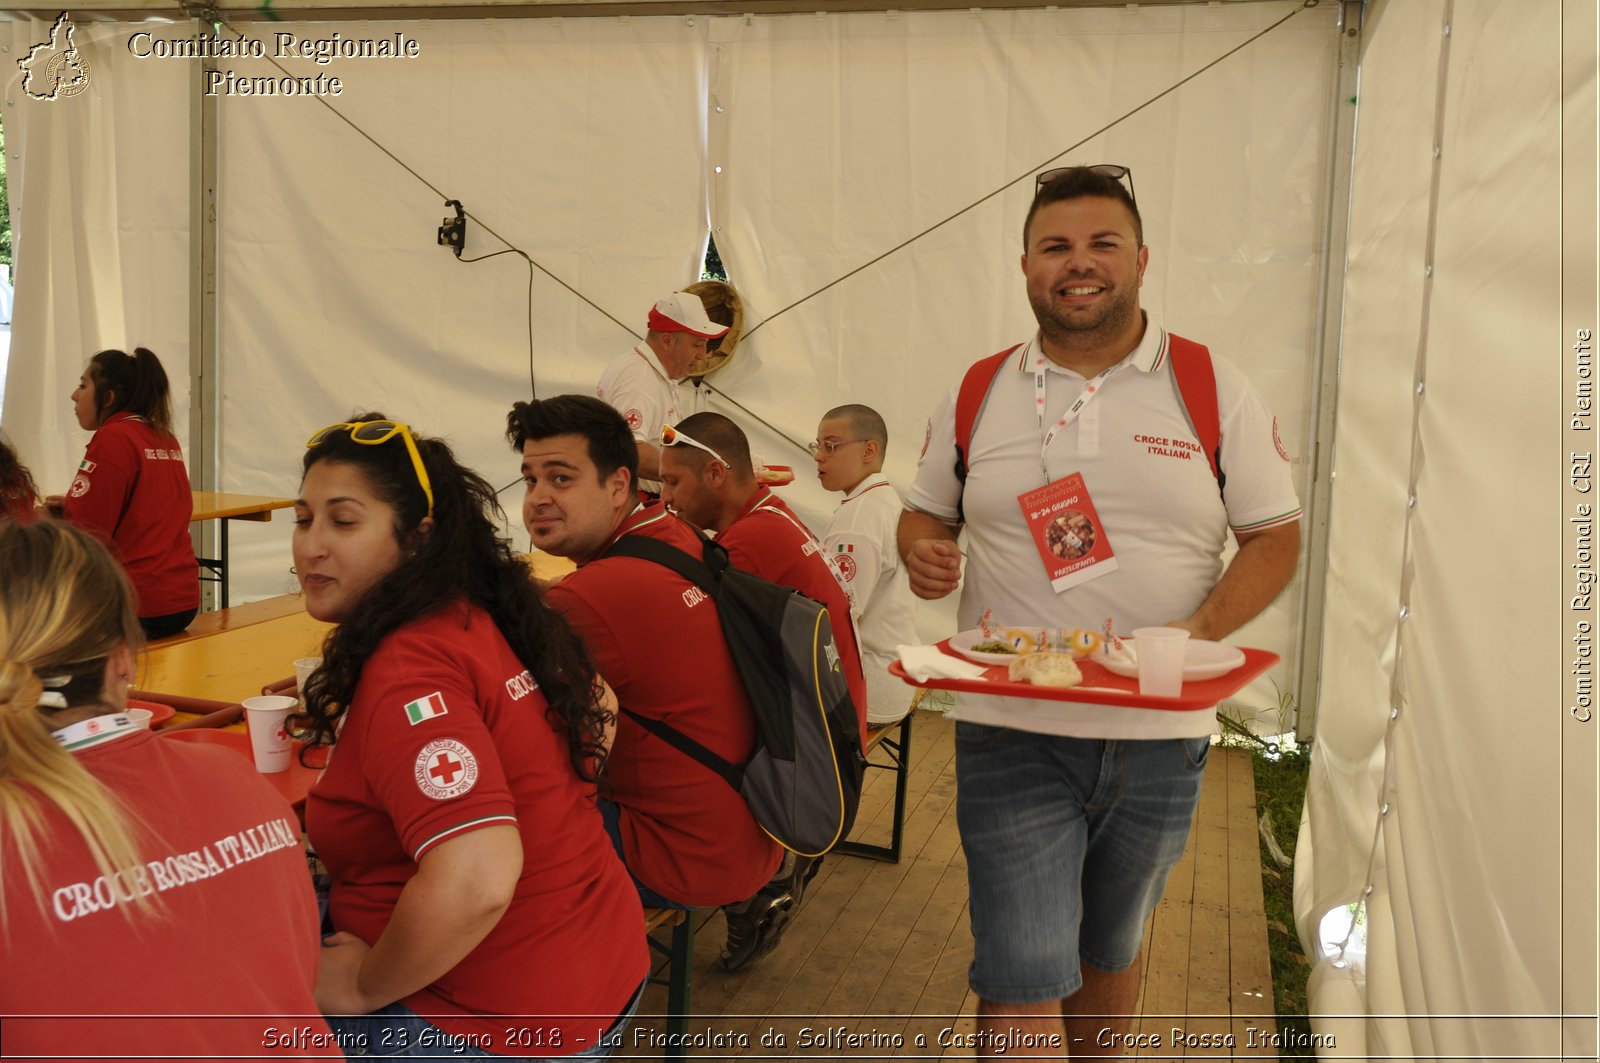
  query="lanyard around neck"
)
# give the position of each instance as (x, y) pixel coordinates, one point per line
(95, 730)
(1041, 367)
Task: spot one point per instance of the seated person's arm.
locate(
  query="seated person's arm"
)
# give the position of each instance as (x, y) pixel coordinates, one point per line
(461, 889)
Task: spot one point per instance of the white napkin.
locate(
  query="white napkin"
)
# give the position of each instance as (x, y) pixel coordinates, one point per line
(923, 663)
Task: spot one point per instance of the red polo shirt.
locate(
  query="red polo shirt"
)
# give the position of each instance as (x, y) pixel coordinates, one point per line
(768, 539)
(657, 640)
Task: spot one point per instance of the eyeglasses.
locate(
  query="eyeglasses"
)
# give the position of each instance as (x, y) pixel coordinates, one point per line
(374, 433)
(1116, 173)
(671, 437)
(819, 447)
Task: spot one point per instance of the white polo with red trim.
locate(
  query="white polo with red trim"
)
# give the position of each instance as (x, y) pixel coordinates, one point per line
(1152, 487)
(860, 541)
(637, 386)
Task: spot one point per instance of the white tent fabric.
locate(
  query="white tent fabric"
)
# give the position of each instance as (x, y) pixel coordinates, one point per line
(99, 195)
(1463, 786)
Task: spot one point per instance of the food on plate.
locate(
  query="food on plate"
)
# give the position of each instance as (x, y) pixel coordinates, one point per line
(1025, 639)
(994, 646)
(1083, 642)
(1046, 670)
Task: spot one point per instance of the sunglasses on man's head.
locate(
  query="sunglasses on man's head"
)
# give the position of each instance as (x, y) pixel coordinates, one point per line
(671, 437)
(373, 433)
(1116, 173)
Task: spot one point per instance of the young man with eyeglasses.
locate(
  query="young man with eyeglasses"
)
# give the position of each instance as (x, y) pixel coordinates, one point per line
(860, 541)
(642, 385)
(1072, 814)
(687, 837)
(708, 477)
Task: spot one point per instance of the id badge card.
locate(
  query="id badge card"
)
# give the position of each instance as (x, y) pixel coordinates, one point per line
(1067, 532)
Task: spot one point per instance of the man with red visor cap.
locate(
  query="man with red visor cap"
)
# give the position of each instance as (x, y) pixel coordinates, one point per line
(642, 385)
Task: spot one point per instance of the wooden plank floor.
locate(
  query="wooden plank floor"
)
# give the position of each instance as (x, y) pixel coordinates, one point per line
(875, 964)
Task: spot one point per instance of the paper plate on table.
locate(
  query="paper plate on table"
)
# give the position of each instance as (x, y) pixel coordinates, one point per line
(159, 713)
(1202, 659)
(962, 643)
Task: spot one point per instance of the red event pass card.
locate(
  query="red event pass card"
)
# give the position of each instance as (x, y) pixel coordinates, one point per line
(1067, 532)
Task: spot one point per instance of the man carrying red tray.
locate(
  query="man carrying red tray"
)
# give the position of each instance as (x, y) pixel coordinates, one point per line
(1097, 470)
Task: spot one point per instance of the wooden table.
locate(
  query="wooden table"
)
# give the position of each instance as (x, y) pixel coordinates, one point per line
(231, 665)
(223, 507)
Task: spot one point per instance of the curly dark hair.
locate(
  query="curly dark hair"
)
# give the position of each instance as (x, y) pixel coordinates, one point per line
(17, 488)
(463, 555)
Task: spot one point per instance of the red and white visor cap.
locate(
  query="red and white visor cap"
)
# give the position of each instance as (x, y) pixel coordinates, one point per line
(683, 312)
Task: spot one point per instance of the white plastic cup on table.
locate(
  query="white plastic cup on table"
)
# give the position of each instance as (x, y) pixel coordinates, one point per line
(302, 671)
(1161, 653)
(269, 739)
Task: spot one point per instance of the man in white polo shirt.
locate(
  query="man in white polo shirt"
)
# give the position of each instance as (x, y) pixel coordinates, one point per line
(860, 540)
(642, 385)
(1072, 814)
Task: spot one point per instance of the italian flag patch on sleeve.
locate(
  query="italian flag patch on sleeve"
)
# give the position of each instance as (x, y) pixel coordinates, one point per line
(425, 708)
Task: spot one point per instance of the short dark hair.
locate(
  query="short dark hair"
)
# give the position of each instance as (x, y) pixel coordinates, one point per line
(864, 422)
(610, 440)
(1081, 182)
(721, 435)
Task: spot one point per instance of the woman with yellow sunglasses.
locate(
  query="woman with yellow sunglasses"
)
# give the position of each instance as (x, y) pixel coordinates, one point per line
(472, 876)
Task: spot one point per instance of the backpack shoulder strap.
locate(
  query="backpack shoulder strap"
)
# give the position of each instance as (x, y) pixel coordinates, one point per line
(1197, 390)
(731, 774)
(686, 565)
(975, 388)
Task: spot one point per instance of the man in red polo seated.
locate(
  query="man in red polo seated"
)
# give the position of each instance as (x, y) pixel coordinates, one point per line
(684, 833)
(708, 477)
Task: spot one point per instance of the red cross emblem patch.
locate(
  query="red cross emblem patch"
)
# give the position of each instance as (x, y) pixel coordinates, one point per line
(634, 419)
(445, 768)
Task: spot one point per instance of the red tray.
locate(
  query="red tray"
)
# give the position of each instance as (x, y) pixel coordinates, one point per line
(293, 784)
(1111, 689)
(159, 713)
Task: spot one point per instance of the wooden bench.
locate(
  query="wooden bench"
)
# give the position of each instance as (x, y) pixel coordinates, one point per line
(897, 751)
(680, 958)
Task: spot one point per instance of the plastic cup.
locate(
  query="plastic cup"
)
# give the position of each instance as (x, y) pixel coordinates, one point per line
(1161, 653)
(140, 717)
(269, 740)
(302, 671)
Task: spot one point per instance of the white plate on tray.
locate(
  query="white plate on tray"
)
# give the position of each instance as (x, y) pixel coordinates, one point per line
(1202, 660)
(962, 643)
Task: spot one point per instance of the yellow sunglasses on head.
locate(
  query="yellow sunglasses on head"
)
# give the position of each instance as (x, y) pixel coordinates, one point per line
(374, 433)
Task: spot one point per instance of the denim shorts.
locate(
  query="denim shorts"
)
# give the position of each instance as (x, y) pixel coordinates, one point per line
(1068, 844)
(397, 1032)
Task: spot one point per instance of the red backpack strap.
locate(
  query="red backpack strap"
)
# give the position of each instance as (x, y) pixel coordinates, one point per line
(1197, 391)
(975, 387)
